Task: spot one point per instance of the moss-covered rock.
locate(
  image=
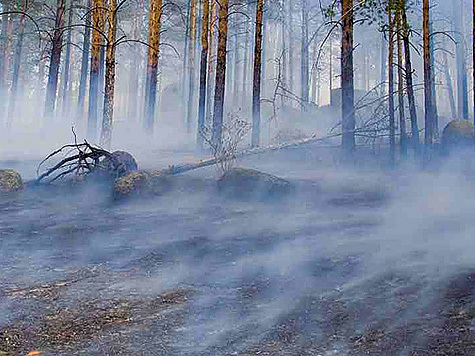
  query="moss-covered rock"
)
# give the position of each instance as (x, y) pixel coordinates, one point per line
(249, 183)
(142, 182)
(458, 133)
(10, 181)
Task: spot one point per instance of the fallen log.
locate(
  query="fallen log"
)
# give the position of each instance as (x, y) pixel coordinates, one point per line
(153, 182)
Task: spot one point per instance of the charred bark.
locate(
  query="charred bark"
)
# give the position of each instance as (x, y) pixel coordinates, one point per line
(97, 40)
(203, 73)
(84, 62)
(256, 83)
(55, 59)
(347, 80)
(109, 87)
(154, 28)
(220, 82)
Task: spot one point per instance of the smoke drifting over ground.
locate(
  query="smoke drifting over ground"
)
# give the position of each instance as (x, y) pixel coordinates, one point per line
(356, 261)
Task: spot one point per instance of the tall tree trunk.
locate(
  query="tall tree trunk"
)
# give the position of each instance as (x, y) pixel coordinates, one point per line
(67, 60)
(449, 84)
(6, 20)
(108, 112)
(211, 62)
(433, 76)
(382, 70)
(236, 65)
(315, 74)
(304, 57)
(55, 60)
(84, 62)
(392, 124)
(154, 28)
(408, 69)
(97, 40)
(256, 83)
(400, 82)
(191, 67)
(245, 65)
(203, 73)
(220, 82)
(428, 101)
(134, 92)
(473, 61)
(16, 69)
(291, 39)
(347, 82)
(462, 89)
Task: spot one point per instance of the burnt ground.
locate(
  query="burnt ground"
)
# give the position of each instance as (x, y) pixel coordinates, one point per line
(337, 268)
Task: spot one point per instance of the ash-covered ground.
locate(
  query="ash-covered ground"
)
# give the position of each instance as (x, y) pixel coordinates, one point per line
(355, 261)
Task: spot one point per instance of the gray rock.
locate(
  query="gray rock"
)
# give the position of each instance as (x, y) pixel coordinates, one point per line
(10, 181)
(251, 184)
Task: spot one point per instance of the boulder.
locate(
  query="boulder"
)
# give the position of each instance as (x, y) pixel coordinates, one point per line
(249, 183)
(10, 181)
(121, 164)
(458, 133)
(142, 182)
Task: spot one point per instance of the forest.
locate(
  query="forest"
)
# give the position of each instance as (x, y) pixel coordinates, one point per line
(237, 177)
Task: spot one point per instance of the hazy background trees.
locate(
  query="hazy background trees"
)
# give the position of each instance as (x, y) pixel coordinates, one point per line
(183, 69)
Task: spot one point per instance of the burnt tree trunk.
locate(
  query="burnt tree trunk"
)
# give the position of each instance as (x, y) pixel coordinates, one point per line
(304, 57)
(400, 82)
(428, 101)
(67, 61)
(203, 73)
(97, 40)
(220, 82)
(191, 67)
(16, 70)
(347, 80)
(256, 82)
(84, 62)
(55, 59)
(392, 123)
(109, 86)
(154, 28)
(408, 69)
(211, 62)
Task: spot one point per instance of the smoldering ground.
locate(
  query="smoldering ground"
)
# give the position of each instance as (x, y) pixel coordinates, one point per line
(354, 261)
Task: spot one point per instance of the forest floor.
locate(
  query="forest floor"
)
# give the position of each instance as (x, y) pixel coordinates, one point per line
(341, 267)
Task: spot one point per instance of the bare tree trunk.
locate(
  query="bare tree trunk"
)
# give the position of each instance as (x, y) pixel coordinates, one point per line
(433, 76)
(236, 65)
(6, 20)
(220, 82)
(203, 73)
(191, 66)
(16, 70)
(382, 69)
(304, 57)
(448, 83)
(108, 112)
(400, 82)
(245, 64)
(473, 61)
(154, 27)
(408, 69)
(256, 84)
(97, 40)
(211, 62)
(55, 60)
(67, 60)
(462, 89)
(291, 39)
(392, 125)
(84, 62)
(429, 111)
(134, 92)
(347, 82)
